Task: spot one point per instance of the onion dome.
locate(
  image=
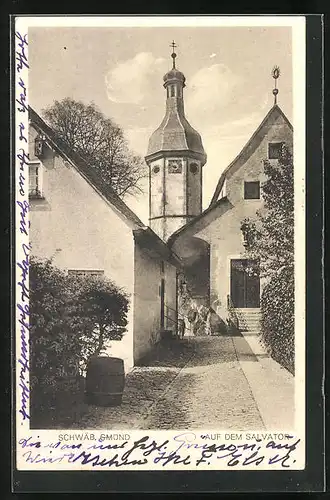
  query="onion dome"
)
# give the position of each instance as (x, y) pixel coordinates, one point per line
(174, 75)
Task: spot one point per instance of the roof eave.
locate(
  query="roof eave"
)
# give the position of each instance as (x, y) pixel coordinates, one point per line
(192, 222)
(148, 239)
(156, 155)
(115, 201)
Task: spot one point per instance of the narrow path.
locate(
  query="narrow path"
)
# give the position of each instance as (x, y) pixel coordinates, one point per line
(273, 387)
(210, 391)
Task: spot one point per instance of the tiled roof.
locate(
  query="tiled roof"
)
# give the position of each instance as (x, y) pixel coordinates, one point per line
(151, 239)
(223, 202)
(200, 220)
(175, 134)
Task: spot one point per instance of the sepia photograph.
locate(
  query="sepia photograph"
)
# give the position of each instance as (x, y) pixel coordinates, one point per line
(160, 244)
(167, 253)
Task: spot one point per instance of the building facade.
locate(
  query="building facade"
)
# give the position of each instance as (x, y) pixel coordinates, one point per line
(210, 244)
(175, 159)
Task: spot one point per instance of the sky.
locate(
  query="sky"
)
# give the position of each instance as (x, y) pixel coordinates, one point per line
(228, 82)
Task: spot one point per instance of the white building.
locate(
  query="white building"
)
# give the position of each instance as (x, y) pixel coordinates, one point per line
(87, 229)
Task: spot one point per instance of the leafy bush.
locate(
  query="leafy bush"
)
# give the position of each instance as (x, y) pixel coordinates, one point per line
(270, 239)
(71, 319)
(54, 333)
(103, 313)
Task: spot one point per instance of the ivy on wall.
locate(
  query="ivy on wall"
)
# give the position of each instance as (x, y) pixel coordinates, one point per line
(270, 238)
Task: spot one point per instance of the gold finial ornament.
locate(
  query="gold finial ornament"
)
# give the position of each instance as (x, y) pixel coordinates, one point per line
(275, 74)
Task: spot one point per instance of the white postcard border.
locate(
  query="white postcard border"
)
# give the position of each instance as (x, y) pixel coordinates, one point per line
(27, 440)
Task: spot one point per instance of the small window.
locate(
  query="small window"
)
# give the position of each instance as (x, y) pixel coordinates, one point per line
(274, 150)
(172, 91)
(252, 190)
(85, 272)
(39, 146)
(162, 267)
(35, 180)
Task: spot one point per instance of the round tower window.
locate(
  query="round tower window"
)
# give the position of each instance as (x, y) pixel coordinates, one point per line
(193, 168)
(156, 169)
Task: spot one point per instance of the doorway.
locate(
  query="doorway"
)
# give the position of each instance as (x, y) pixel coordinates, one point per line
(245, 283)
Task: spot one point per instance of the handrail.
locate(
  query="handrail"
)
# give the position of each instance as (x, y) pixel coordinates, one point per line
(170, 319)
(171, 308)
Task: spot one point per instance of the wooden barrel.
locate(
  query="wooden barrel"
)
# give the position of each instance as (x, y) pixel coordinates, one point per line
(105, 381)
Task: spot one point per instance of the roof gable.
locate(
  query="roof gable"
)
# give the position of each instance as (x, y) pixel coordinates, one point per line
(83, 168)
(270, 119)
(202, 220)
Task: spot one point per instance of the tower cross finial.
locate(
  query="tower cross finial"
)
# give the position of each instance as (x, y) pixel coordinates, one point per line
(173, 55)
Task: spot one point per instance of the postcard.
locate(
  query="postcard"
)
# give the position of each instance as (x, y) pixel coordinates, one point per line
(160, 243)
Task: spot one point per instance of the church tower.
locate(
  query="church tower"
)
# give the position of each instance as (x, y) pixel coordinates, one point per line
(175, 158)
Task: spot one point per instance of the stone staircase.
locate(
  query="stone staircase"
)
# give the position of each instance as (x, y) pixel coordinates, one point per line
(248, 321)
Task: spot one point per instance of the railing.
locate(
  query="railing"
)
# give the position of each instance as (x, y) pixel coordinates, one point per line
(169, 318)
(174, 321)
(234, 316)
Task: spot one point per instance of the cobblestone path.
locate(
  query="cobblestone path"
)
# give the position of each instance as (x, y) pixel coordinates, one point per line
(193, 383)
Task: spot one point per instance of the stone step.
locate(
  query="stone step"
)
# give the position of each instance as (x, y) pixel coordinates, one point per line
(252, 316)
(250, 325)
(249, 318)
(249, 321)
(249, 315)
(248, 308)
(246, 329)
(252, 320)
